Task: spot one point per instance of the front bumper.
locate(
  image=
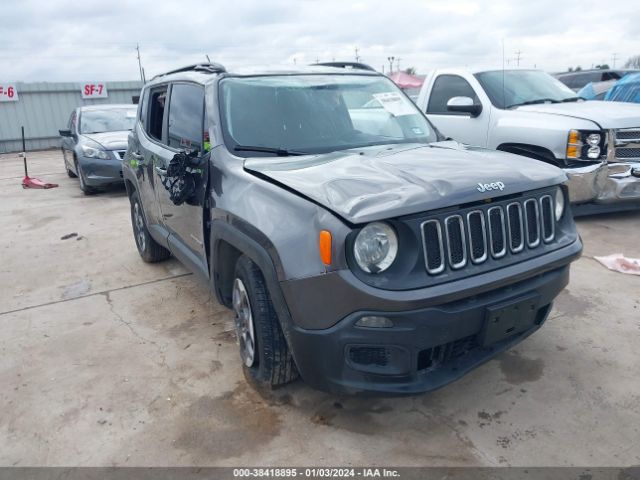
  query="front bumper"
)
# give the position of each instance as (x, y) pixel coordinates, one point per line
(100, 172)
(604, 183)
(445, 324)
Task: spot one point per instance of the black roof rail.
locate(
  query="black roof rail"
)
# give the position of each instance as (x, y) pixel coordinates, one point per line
(198, 67)
(352, 65)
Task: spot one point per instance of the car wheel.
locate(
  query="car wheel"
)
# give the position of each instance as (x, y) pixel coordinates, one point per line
(150, 250)
(266, 358)
(66, 165)
(87, 190)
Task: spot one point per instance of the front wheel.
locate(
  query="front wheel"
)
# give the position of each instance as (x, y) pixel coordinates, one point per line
(150, 250)
(266, 358)
(87, 190)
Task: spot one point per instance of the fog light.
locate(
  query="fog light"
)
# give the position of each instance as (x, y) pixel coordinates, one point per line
(374, 322)
(593, 152)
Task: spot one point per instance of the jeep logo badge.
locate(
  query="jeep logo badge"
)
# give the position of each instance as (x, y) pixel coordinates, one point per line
(485, 187)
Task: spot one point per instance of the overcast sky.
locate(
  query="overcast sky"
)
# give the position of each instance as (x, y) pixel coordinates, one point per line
(72, 40)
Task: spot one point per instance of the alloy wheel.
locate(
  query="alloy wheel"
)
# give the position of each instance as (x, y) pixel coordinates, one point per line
(244, 323)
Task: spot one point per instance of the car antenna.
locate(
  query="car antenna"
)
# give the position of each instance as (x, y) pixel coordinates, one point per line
(208, 59)
(503, 94)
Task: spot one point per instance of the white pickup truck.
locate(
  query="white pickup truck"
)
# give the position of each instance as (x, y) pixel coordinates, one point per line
(528, 112)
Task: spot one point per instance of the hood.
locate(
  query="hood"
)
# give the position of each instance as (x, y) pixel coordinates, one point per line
(110, 140)
(375, 183)
(605, 114)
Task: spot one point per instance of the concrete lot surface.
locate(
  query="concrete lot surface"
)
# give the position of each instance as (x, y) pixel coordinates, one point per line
(109, 361)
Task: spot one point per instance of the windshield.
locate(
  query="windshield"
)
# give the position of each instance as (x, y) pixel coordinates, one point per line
(297, 114)
(108, 120)
(523, 87)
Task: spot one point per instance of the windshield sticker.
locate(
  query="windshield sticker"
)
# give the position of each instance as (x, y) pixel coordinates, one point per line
(395, 104)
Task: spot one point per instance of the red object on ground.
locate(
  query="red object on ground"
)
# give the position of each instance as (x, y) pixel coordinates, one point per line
(404, 80)
(28, 182)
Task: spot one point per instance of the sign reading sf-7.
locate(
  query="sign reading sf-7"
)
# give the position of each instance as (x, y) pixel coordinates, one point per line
(94, 90)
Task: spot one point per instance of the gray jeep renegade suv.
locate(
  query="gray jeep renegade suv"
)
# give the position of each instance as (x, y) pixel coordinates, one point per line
(357, 247)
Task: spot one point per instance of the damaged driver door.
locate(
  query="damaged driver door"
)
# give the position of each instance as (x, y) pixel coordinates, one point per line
(181, 173)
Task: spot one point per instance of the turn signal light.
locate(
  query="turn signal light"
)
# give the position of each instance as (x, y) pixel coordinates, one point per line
(325, 246)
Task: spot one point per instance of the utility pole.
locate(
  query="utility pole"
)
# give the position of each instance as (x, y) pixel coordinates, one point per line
(398, 64)
(391, 59)
(614, 58)
(518, 53)
(357, 56)
(140, 64)
(383, 68)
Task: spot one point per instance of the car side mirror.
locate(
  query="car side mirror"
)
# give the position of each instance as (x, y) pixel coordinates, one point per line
(464, 105)
(65, 133)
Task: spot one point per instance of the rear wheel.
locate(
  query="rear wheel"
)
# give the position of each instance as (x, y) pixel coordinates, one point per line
(266, 358)
(150, 250)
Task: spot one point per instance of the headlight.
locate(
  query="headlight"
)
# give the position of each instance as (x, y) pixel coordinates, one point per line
(94, 152)
(583, 145)
(376, 247)
(593, 140)
(559, 203)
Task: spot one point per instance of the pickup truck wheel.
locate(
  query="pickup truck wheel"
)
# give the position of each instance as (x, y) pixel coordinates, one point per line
(266, 358)
(150, 250)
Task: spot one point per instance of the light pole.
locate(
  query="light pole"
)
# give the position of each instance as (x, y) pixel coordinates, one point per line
(391, 59)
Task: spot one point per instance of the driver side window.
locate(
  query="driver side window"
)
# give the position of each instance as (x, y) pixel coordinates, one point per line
(444, 89)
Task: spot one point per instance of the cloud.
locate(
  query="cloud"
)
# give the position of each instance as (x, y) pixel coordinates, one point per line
(96, 39)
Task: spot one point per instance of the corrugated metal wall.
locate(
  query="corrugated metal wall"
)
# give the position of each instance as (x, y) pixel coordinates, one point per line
(44, 108)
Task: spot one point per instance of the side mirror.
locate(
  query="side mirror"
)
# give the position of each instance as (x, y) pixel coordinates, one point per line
(464, 105)
(65, 133)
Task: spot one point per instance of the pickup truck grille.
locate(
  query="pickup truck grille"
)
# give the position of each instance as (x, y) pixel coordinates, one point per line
(627, 143)
(493, 231)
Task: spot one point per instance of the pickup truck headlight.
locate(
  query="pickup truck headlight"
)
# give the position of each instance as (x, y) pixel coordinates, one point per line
(584, 145)
(559, 210)
(92, 152)
(375, 247)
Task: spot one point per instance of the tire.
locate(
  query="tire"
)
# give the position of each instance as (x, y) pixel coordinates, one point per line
(87, 190)
(150, 250)
(66, 166)
(271, 364)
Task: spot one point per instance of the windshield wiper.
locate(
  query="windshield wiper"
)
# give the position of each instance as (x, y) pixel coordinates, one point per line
(573, 99)
(280, 152)
(534, 102)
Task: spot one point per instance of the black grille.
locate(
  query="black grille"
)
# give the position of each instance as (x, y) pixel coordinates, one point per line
(516, 233)
(487, 231)
(477, 236)
(628, 134)
(378, 356)
(532, 223)
(546, 206)
(433, 357)
(496, 232)
(455, 241)
(627, 152)
(433, 248)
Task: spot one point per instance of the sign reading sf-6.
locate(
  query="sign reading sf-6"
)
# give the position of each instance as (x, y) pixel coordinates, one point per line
(8, 93)
(94, 90)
